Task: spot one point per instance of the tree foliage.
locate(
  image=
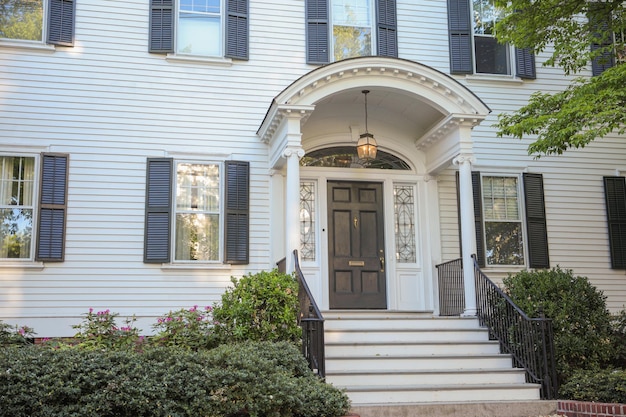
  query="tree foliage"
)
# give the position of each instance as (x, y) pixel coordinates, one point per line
(589, 108)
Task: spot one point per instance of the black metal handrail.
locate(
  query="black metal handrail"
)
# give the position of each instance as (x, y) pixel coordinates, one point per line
(451, 288)
(528, 340)
(312, 324)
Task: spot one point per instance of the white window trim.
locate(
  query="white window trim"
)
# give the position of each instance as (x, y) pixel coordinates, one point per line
(522, 221)
(190, 264)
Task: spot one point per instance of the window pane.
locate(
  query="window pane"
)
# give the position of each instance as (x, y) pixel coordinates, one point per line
(21, 19)
(197, 237)
(199, 34)
(201, 6)
(491, 57)
(197, 188)
(500, 198)
(504, 243)
(16, 233)
(485, 17)
(352, 28)
(307, 220)
(404, 213)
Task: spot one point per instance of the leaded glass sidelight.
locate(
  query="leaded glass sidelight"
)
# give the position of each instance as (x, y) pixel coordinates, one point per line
(307, 220)
(404, 215)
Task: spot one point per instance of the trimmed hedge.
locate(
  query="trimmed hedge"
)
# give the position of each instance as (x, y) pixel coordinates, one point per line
(248, 379)
(607, 386)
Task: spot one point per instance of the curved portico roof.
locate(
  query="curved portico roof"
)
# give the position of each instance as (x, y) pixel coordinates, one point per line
(425, 84)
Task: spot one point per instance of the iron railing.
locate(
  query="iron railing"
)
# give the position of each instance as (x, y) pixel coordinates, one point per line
(451, 289)
(312, 324)
(529, 341)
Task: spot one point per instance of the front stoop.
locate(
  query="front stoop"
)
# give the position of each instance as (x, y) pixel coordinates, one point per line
(386, 358)
(461, 409)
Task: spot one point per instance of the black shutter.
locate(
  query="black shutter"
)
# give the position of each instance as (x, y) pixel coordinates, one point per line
(615, 193)
(598, 19)
(237, 29)
(317, 42)
(478, 216)
(157, 231)
(536, 221)
(387, 28)
(61, 22)
(525, 63)
(161, 26)
(52, 208)
(460, 37)
(237, 212)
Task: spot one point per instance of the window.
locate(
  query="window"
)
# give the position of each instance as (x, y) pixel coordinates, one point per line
(350, 28)
(491, 57)
(307, 220)
(195, 198)
(206, 28)
(24, 20)
(504, 243)
(17, 206)
(22, 215)
(473, 46)
(506, 234)
(404, 225)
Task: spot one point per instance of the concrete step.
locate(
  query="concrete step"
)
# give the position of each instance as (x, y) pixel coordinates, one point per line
(400, 379)
(399, 363)
(338, 349)
(527, 408)
(371, 322)
(403, 335)
(431, 393)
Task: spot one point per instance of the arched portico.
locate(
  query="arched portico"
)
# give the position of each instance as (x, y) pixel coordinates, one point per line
(415, 112)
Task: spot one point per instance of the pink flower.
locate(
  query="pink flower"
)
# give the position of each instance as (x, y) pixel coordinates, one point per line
(194, 308)
(22, 331)
(90, 310)
(208, 308)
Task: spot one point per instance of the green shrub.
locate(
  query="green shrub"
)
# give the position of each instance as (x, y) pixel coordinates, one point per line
(263, 306)
(252, 379)
(190, 329)
(606, 386)
(618, 326)
(582, 330)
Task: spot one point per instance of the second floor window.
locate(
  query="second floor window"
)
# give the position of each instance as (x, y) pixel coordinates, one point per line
(199, 27)
(23, 20)
(205, 28)
(473, 45)
(340, 29)
(491, 57)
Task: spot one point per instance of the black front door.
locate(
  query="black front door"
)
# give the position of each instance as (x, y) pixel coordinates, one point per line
(356, 245)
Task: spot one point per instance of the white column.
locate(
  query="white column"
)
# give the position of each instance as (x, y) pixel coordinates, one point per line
(292, 203)
(468, 230)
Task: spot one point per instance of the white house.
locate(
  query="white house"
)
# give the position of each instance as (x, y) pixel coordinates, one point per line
(150, 150)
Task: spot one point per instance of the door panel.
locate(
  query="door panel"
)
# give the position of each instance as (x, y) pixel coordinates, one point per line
(356, 245)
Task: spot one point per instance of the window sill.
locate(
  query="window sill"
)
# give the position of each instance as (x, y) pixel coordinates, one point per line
(225, 62)
(216, 266)
(493, 78)
(26, 45)
(35, 266)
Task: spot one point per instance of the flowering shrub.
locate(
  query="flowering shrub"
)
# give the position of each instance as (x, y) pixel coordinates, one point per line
(15, 335)
(100, 331)
(190, 329)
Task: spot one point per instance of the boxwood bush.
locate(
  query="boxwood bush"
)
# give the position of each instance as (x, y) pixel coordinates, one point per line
(583, 336)
(248, 379)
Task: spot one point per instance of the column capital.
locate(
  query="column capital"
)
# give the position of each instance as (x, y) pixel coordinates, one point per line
(292, 150)
(463, 158)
